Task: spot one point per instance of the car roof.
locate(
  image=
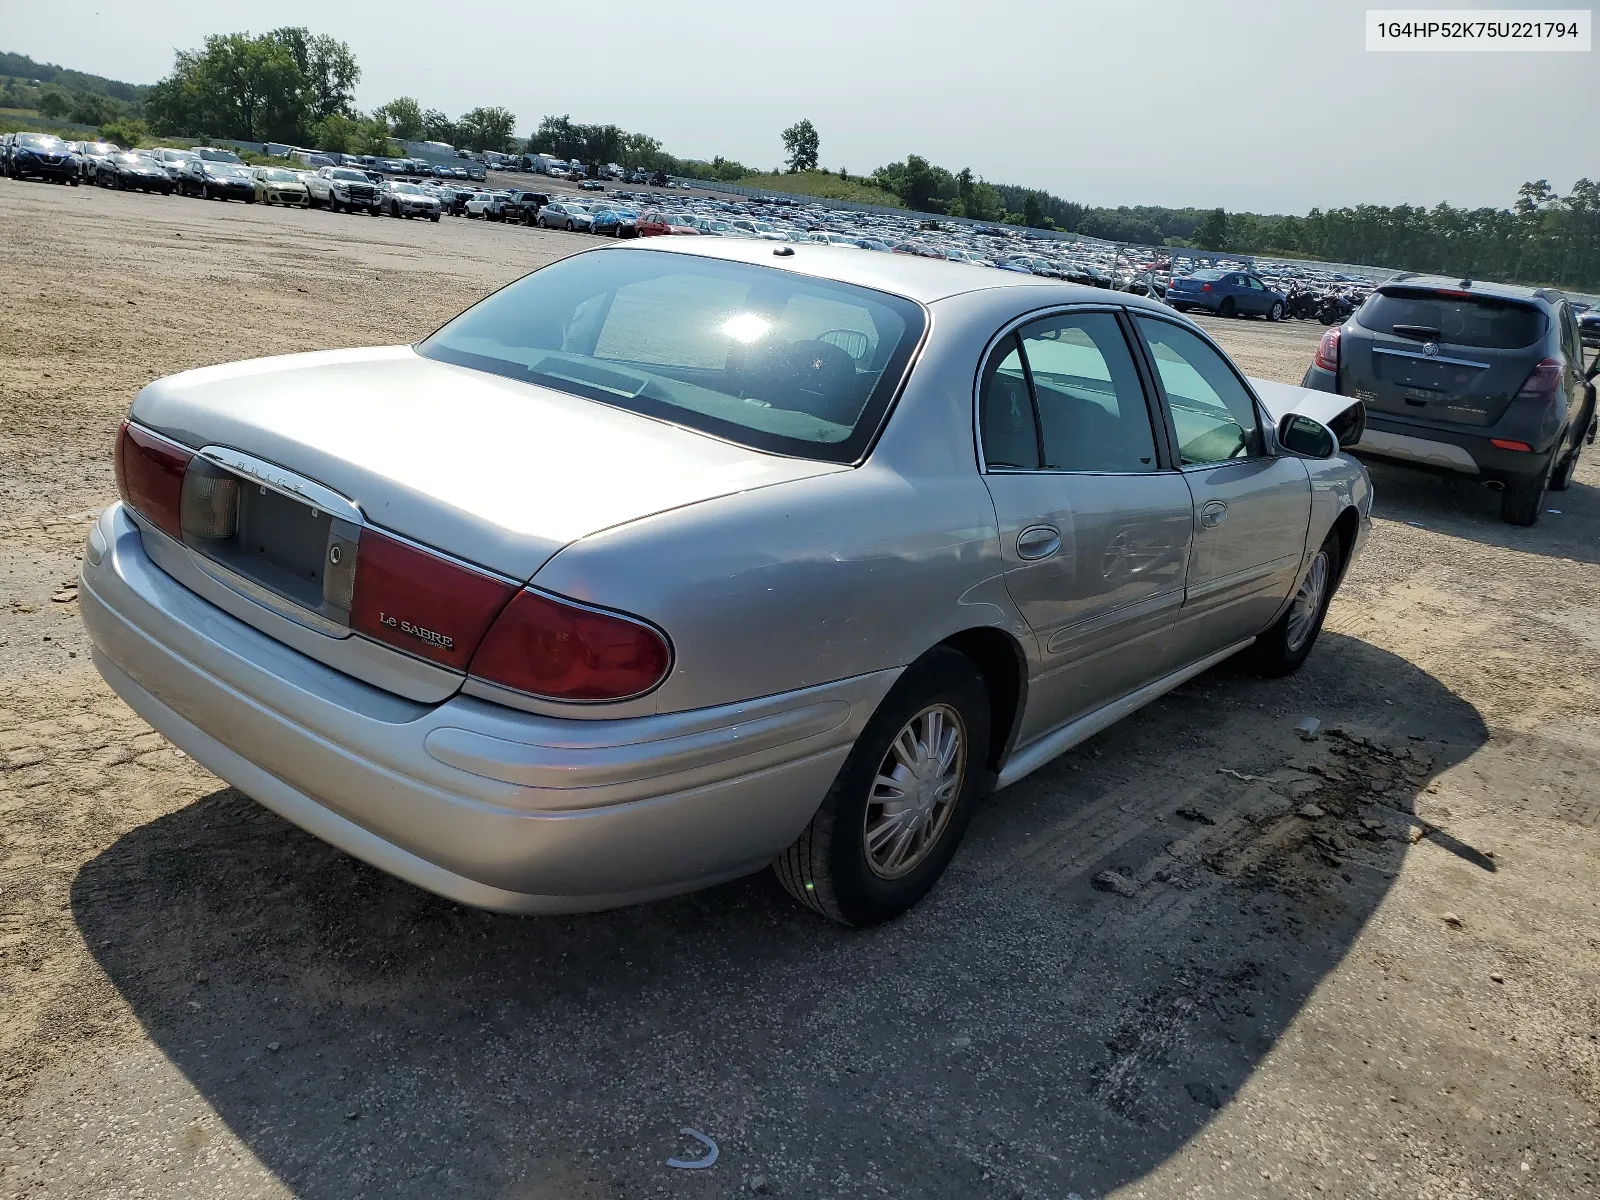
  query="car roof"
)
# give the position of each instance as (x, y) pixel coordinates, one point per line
(922, 279)
(1500, 291)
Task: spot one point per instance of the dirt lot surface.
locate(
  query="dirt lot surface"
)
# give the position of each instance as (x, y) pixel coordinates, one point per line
(1400, 997)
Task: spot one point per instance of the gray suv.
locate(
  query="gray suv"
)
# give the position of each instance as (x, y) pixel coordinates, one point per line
(1477, 379)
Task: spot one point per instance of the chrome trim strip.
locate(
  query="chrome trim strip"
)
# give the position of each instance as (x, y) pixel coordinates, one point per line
(1063, 738)
(286, 483)
(1438, 358)
(267, 598)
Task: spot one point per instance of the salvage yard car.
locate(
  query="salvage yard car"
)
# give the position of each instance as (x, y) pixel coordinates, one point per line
(1477, 380)
(678, 559)
(409, 200)
(279, 185)
(1228, 294)
(45, 156)
(343, 189)
(133, 170)
(215, 181)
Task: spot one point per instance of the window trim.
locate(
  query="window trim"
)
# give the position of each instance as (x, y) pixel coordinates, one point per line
(1264, 429)
(1153, 405)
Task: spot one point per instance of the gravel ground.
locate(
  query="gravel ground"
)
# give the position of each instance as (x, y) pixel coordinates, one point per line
(1395, 998)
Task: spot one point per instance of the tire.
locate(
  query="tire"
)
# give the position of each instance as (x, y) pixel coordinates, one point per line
(1523, 499)
(1281, 649)
(829, 868)
(434, 217)
(205, 192)
(1276, 314)
(1227, 308)
(1561, 477)
(1183, 308)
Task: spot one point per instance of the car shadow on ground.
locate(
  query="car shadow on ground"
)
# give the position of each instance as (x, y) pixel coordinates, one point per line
(1466, 509)
(1123, 937)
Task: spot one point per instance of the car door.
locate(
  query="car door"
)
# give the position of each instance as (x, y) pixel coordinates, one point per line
(1251, 508)
(1256, 295)
(1095, 525)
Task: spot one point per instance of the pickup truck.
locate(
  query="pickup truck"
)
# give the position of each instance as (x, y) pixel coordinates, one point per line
(521, 206)
(343, 189)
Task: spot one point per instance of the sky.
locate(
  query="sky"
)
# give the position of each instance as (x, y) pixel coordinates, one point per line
(1269, 107)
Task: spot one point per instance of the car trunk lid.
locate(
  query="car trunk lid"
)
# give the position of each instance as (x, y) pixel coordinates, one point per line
(1444, 355)
(330, 451)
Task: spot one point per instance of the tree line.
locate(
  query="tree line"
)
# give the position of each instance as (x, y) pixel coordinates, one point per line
(290, 85)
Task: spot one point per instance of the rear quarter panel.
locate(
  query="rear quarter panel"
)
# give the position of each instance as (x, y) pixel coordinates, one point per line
(807, 582)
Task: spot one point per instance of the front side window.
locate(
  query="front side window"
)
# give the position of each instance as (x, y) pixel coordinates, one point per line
(1212, 413)
(762, 357)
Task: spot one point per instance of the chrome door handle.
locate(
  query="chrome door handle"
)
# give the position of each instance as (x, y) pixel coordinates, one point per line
(1213, 513)
(1038, 541)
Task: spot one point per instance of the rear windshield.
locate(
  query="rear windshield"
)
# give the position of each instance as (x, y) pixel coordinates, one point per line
(1481, 322)
(762, 357)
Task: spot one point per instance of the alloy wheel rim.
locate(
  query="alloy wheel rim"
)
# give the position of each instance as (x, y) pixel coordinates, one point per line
(914, 791)
(1308, 601)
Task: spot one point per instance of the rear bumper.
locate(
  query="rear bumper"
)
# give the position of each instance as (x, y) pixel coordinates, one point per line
(1194, 300)
(489, 806)
(1433, 446)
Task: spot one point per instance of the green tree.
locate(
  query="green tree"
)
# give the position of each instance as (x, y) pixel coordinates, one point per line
(801, 143)
(487, 128)
(92, 108)
(53, 102)
(557, 136)
(403, 116)
(328, 68)
(436, 127)
(126, 132)
(1213, 231)
(234, 86)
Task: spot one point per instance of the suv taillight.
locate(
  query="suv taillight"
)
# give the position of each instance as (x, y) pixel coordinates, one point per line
(1327, 356)
(564, 651)
(1543, 382)
(150, 472)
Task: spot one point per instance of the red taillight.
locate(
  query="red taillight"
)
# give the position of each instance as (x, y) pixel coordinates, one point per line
(1508, 444)
(421, 602)
(550, 647)
(150, 476)
(1327, 356)
(1543, 382)
(1205, 287)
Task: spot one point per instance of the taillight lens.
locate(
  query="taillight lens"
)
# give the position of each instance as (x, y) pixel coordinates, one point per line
(150, 476)
(1205, 287)
(1543, 382)
(421, 602)
(1327, 356)
(552, 648)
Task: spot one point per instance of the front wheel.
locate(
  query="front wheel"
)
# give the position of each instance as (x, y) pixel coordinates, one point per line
(1276, 314)
(896, 812)
(1285, 646)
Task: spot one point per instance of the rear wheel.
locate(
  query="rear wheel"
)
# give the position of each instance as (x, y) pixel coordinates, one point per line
(1285, 646)
(1523, 499)
(1227, 308)
(896, 812)
(1561, 478)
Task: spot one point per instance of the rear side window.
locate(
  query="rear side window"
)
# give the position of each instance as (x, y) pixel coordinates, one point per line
(1092, 414)
(1479, 322)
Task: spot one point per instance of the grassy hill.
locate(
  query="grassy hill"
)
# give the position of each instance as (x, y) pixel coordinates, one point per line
(26, 71)
(824, 186)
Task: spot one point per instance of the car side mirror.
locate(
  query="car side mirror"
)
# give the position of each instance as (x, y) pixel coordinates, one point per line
(1308, 438)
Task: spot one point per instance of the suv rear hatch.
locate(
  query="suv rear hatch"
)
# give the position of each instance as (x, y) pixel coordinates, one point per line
(1440, 354)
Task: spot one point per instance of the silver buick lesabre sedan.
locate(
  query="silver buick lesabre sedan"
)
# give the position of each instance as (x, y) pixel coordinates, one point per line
(663, 565)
